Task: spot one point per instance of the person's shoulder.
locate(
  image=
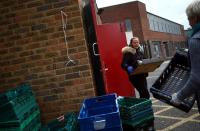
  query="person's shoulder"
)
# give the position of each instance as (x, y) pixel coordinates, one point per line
(128, 49)
(197, 35)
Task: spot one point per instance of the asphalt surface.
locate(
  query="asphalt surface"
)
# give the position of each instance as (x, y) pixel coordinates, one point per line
(169, 118)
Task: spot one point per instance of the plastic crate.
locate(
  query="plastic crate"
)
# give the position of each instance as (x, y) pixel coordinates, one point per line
(135, 111)
(117, 128)
(18, 108)
(100, 113)
(13, 93)
(32, 123)
(18, 122)
(131, 106)
(172, 79)
(68, 122)
(139, 119)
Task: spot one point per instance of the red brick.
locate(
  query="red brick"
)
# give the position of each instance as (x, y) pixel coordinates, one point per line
(21, 18)
(2, 52)
(34, 4)
(37, 16)
(18, 61)
(37, 69)
(46, 74)
(39, 82)
(34, 57)
(15, 49)
(26, 53)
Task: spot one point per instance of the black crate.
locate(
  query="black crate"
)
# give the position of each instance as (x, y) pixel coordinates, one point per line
(172, 79)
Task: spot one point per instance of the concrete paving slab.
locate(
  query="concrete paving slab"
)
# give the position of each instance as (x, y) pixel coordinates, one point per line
(188, 126)
(173, 112)
(162, 123)
(156, 109)
(158, 102)
(195, 105)
(197, 118)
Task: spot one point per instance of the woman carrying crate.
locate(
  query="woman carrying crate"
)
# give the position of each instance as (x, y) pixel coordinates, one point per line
(131, 55)
(192, 86)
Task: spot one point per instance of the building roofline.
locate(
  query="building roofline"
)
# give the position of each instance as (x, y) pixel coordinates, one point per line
(146, 11)
(165, 18)
(123, 4)
(188, 29)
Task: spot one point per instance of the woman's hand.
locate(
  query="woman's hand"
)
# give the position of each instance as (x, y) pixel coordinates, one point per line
(130, 69)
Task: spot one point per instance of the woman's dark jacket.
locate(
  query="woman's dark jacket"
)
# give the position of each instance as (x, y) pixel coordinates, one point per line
(130, 57)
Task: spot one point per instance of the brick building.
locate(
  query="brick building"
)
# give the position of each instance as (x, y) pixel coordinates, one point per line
(32, 49)
(159, 36)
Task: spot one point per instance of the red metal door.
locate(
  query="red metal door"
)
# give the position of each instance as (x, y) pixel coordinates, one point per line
(111, 39)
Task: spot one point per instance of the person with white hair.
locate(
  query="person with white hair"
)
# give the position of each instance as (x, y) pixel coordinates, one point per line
(192, 85)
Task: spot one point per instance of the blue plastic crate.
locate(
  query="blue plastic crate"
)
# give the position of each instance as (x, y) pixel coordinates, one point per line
(100, 113)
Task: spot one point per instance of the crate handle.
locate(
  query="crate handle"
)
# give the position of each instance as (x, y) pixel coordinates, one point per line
(61, 118)
(99, 124)
(100, 100)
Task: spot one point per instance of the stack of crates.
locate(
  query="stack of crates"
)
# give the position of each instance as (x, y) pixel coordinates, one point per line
(100, 113)
(19, 110)
(136, 112)
(68, 122)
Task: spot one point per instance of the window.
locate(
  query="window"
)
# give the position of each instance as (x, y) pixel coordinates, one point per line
(128, 25)
(156, 50)
(151, 25)
(163, 25)
(156, 25)
(129, 33)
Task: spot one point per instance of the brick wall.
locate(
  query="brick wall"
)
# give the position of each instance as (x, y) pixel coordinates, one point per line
(32, 49)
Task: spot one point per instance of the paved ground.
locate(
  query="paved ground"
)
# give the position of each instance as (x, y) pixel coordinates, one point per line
(168, 118)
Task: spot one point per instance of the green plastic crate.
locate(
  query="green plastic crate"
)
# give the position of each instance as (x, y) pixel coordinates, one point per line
(34, 125)
(13, 93)
(67, 122)
(131, 106)
(139, 123)
(137, 116)
(36, 128)
(135, 112)
(140, 119)
(31, 123)
(18, 108)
